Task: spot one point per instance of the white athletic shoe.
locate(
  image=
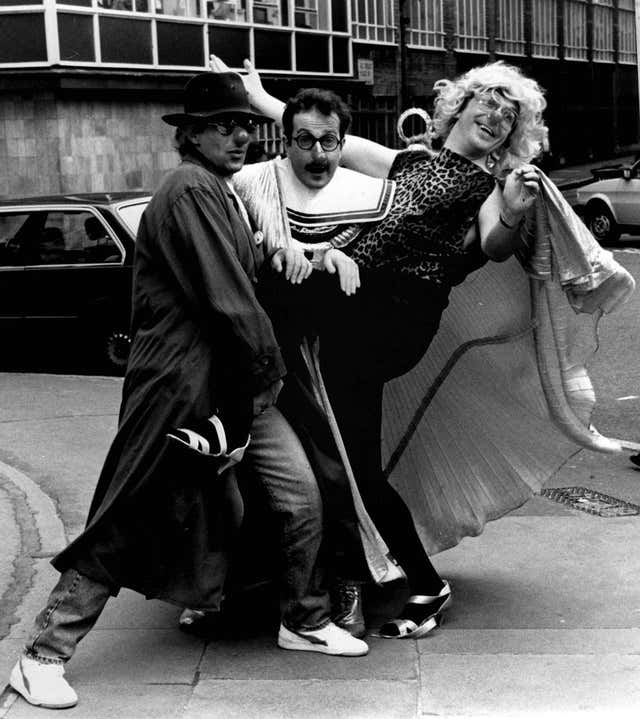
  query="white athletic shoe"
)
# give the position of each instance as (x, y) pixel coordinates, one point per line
(41, 684)
(331, 639)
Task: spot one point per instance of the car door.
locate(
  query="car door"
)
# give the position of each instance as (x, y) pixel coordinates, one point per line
(79, 266)
(14, 223)
(625, 198)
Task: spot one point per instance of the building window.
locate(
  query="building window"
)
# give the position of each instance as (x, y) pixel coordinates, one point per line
(272, 50)
(312, 14)
(126, 41)
(544, 28)
(575, 29)
(227, 10)
(180, 44)
(179, 8)
(626, 32)
(125, 5)
(22, 38)
(510, 38)
(471, 25)
(232, 44)
(277, 35)
(372, 20)
(267, 12)
(425, 24)
(603, 31)
(76, 37)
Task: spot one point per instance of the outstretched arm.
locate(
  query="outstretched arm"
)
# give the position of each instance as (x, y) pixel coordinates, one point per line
(358, 154)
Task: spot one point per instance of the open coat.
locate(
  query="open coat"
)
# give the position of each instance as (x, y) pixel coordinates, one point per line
(202, 344)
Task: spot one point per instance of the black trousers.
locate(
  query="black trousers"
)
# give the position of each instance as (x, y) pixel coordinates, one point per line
(370, 338)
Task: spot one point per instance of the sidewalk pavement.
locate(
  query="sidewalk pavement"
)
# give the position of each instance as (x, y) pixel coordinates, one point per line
(545, 623)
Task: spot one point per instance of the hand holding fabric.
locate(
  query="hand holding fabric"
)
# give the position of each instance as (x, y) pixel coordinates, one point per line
(520, 192)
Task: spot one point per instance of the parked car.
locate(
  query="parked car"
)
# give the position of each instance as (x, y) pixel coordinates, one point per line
(65, 270)
(610, 204)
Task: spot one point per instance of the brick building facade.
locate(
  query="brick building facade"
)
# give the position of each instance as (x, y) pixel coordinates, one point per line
(83, 83)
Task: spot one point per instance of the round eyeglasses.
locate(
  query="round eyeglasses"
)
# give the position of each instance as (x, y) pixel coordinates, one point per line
(307, 141)
(493, 102)
(226, 127)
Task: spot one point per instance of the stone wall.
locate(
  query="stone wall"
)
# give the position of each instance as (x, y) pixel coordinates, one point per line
(53, 145)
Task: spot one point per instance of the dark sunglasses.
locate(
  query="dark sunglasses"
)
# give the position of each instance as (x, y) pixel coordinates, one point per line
(226, 127)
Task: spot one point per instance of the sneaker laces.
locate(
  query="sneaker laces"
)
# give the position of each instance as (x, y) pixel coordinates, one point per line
(47, 667)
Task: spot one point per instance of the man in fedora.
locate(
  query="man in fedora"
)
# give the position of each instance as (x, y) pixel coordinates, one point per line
(203, 350)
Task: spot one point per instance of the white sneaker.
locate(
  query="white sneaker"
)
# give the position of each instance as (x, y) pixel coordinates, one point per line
(42, 684)
(331, 639)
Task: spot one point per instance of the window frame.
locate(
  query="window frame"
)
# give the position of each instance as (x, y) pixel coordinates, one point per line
(573, 51)
(387, 25)
(51, 8)
(511, 42)
(429, 15)
(465, 39)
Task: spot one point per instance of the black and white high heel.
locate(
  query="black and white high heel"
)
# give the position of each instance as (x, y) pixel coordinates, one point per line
(421, 614)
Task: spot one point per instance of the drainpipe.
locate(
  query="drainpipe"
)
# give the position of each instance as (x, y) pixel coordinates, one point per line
(402, 42)
(638, 56)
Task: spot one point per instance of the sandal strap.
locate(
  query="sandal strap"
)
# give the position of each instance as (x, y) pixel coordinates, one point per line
(405, 626)
(421, 599)
(426, 599)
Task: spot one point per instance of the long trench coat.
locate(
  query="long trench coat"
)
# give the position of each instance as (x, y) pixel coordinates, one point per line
(202, 344)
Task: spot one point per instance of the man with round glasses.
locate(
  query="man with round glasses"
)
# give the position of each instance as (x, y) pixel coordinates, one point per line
(325, 206)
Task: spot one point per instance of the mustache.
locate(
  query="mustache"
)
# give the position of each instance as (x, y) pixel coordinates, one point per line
(316, 166)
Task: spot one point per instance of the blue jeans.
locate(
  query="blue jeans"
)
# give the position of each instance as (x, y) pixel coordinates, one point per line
(281, 465)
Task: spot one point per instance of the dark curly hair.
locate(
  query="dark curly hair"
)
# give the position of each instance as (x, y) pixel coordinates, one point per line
(325, 101)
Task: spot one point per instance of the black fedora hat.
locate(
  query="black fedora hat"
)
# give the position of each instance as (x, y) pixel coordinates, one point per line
(209, 94)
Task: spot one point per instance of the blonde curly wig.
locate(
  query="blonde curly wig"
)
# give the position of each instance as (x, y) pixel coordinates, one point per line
(526, 139)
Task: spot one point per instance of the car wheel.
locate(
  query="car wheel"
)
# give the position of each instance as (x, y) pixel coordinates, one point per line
(116, 345)
(602, 225)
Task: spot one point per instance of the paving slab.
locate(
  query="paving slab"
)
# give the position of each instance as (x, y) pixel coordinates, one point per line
(505, 685)
(135, 656)
(130, 610)
(263, 659)
(531, 641)
(546, 572)
(11, 541)
(306, 699)
(107, 701)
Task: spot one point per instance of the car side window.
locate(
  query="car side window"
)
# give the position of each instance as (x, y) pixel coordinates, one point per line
(11, 224)
(86, 238)
(97, 243)
(55, 237)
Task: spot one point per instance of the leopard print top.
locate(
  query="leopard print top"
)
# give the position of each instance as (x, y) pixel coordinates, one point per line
(436, 202)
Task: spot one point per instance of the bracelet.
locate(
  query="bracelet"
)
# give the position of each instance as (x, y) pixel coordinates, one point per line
(504, 223)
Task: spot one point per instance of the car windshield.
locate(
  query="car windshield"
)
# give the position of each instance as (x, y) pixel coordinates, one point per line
(131, 214)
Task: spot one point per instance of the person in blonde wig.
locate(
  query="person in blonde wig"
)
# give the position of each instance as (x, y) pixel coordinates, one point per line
(497, 80)
(453, 211)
